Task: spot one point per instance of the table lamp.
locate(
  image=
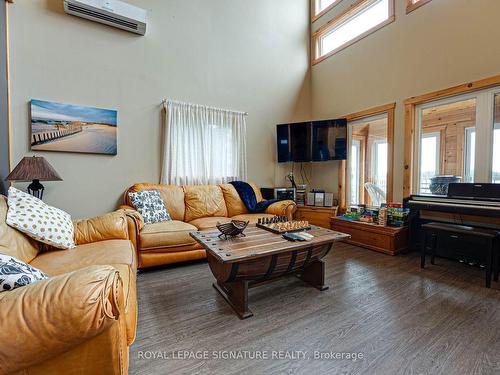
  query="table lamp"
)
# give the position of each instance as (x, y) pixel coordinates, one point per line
(34, 169)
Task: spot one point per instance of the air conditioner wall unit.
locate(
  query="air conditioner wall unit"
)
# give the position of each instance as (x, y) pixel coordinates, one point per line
(110, 12)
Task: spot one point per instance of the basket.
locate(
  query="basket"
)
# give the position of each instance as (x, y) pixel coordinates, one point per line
(232, 229)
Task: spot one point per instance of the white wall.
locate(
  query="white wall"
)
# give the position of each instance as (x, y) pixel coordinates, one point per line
(441, 44)
(237, 54)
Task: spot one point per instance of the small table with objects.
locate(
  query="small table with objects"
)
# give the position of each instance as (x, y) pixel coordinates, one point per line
(239, 263)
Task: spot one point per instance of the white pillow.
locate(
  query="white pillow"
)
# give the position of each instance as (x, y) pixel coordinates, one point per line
(15, 273)
(38, 220)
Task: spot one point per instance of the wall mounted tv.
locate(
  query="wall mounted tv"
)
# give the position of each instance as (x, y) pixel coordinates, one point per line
(312, 141)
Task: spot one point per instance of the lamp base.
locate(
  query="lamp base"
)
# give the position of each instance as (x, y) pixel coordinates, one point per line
(36, 189)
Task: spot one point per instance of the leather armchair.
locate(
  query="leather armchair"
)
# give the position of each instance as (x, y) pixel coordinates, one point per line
(44, 319)
(83, 318)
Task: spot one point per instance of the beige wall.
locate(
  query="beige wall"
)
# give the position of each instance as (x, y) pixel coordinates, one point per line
(238, 54)
(441, 44)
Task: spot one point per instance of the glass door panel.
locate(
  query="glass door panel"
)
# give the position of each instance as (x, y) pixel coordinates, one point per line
(368, 161)
(495, 173)
(447, 145)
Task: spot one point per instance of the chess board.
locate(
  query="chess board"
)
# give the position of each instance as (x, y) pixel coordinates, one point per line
(285, 227)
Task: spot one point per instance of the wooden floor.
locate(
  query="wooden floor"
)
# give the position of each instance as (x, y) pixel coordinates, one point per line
(402, 319)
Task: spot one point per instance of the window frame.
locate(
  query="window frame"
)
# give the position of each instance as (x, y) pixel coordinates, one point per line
(314, 16)
(484, 91)
(410, 6)
(340, 19)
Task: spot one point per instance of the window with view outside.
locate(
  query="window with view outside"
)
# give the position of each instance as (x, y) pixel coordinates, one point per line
(495, 173)
(366, 17)
(368, 161)
(355, 170)
(470, 154)
(429, 160)
(380, 165)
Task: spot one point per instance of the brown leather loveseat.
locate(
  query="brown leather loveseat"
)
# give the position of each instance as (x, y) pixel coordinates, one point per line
(82, 319)
(191, 208)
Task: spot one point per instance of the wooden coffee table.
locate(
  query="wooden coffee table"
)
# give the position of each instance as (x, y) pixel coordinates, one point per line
(243, 262)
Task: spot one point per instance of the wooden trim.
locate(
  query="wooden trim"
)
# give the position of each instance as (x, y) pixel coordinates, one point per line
(410, 6)
(456, 90)
(315, 17)
(316, 36)
(371, 112)
(342, 181)
(410, 105)
(386, 108)
(390, 154)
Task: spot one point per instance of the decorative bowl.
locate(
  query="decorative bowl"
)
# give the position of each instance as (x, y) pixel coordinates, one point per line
(232, 229)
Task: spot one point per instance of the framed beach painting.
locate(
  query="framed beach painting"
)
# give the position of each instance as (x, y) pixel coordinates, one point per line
(72, 128)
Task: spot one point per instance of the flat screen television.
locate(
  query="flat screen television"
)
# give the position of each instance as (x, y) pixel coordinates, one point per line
(312, 141)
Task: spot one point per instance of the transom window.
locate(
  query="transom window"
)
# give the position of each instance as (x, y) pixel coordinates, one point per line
(320, 7)
(414, 4)
(351, 26)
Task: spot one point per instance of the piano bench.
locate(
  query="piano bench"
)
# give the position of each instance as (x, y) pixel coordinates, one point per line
(475, 239)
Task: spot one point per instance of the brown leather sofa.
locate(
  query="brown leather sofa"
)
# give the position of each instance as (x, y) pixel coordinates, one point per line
(191, 208)
(83, 318)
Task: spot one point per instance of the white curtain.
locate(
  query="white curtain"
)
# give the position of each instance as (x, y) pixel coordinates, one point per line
(203, 145)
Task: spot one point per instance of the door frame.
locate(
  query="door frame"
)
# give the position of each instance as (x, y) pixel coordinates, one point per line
(410, 121)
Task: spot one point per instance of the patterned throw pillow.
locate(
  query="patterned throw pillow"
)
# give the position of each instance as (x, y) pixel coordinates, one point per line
(14, 273)
(150, 205)
(38, 220)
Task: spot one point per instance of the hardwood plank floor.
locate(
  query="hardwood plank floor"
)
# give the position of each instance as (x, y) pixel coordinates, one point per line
(402, 319)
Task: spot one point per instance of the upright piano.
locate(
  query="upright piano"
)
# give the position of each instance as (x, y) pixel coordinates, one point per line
(476, 205)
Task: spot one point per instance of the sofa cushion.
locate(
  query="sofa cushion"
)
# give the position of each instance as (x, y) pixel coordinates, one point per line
(172, 195)
(234, 204)
(15, 273)
(13, 242)
(150, 205)
(95, 253)
(204, 201)
(38, 220)
(167, 234)
(208, 222)
(252, 218)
